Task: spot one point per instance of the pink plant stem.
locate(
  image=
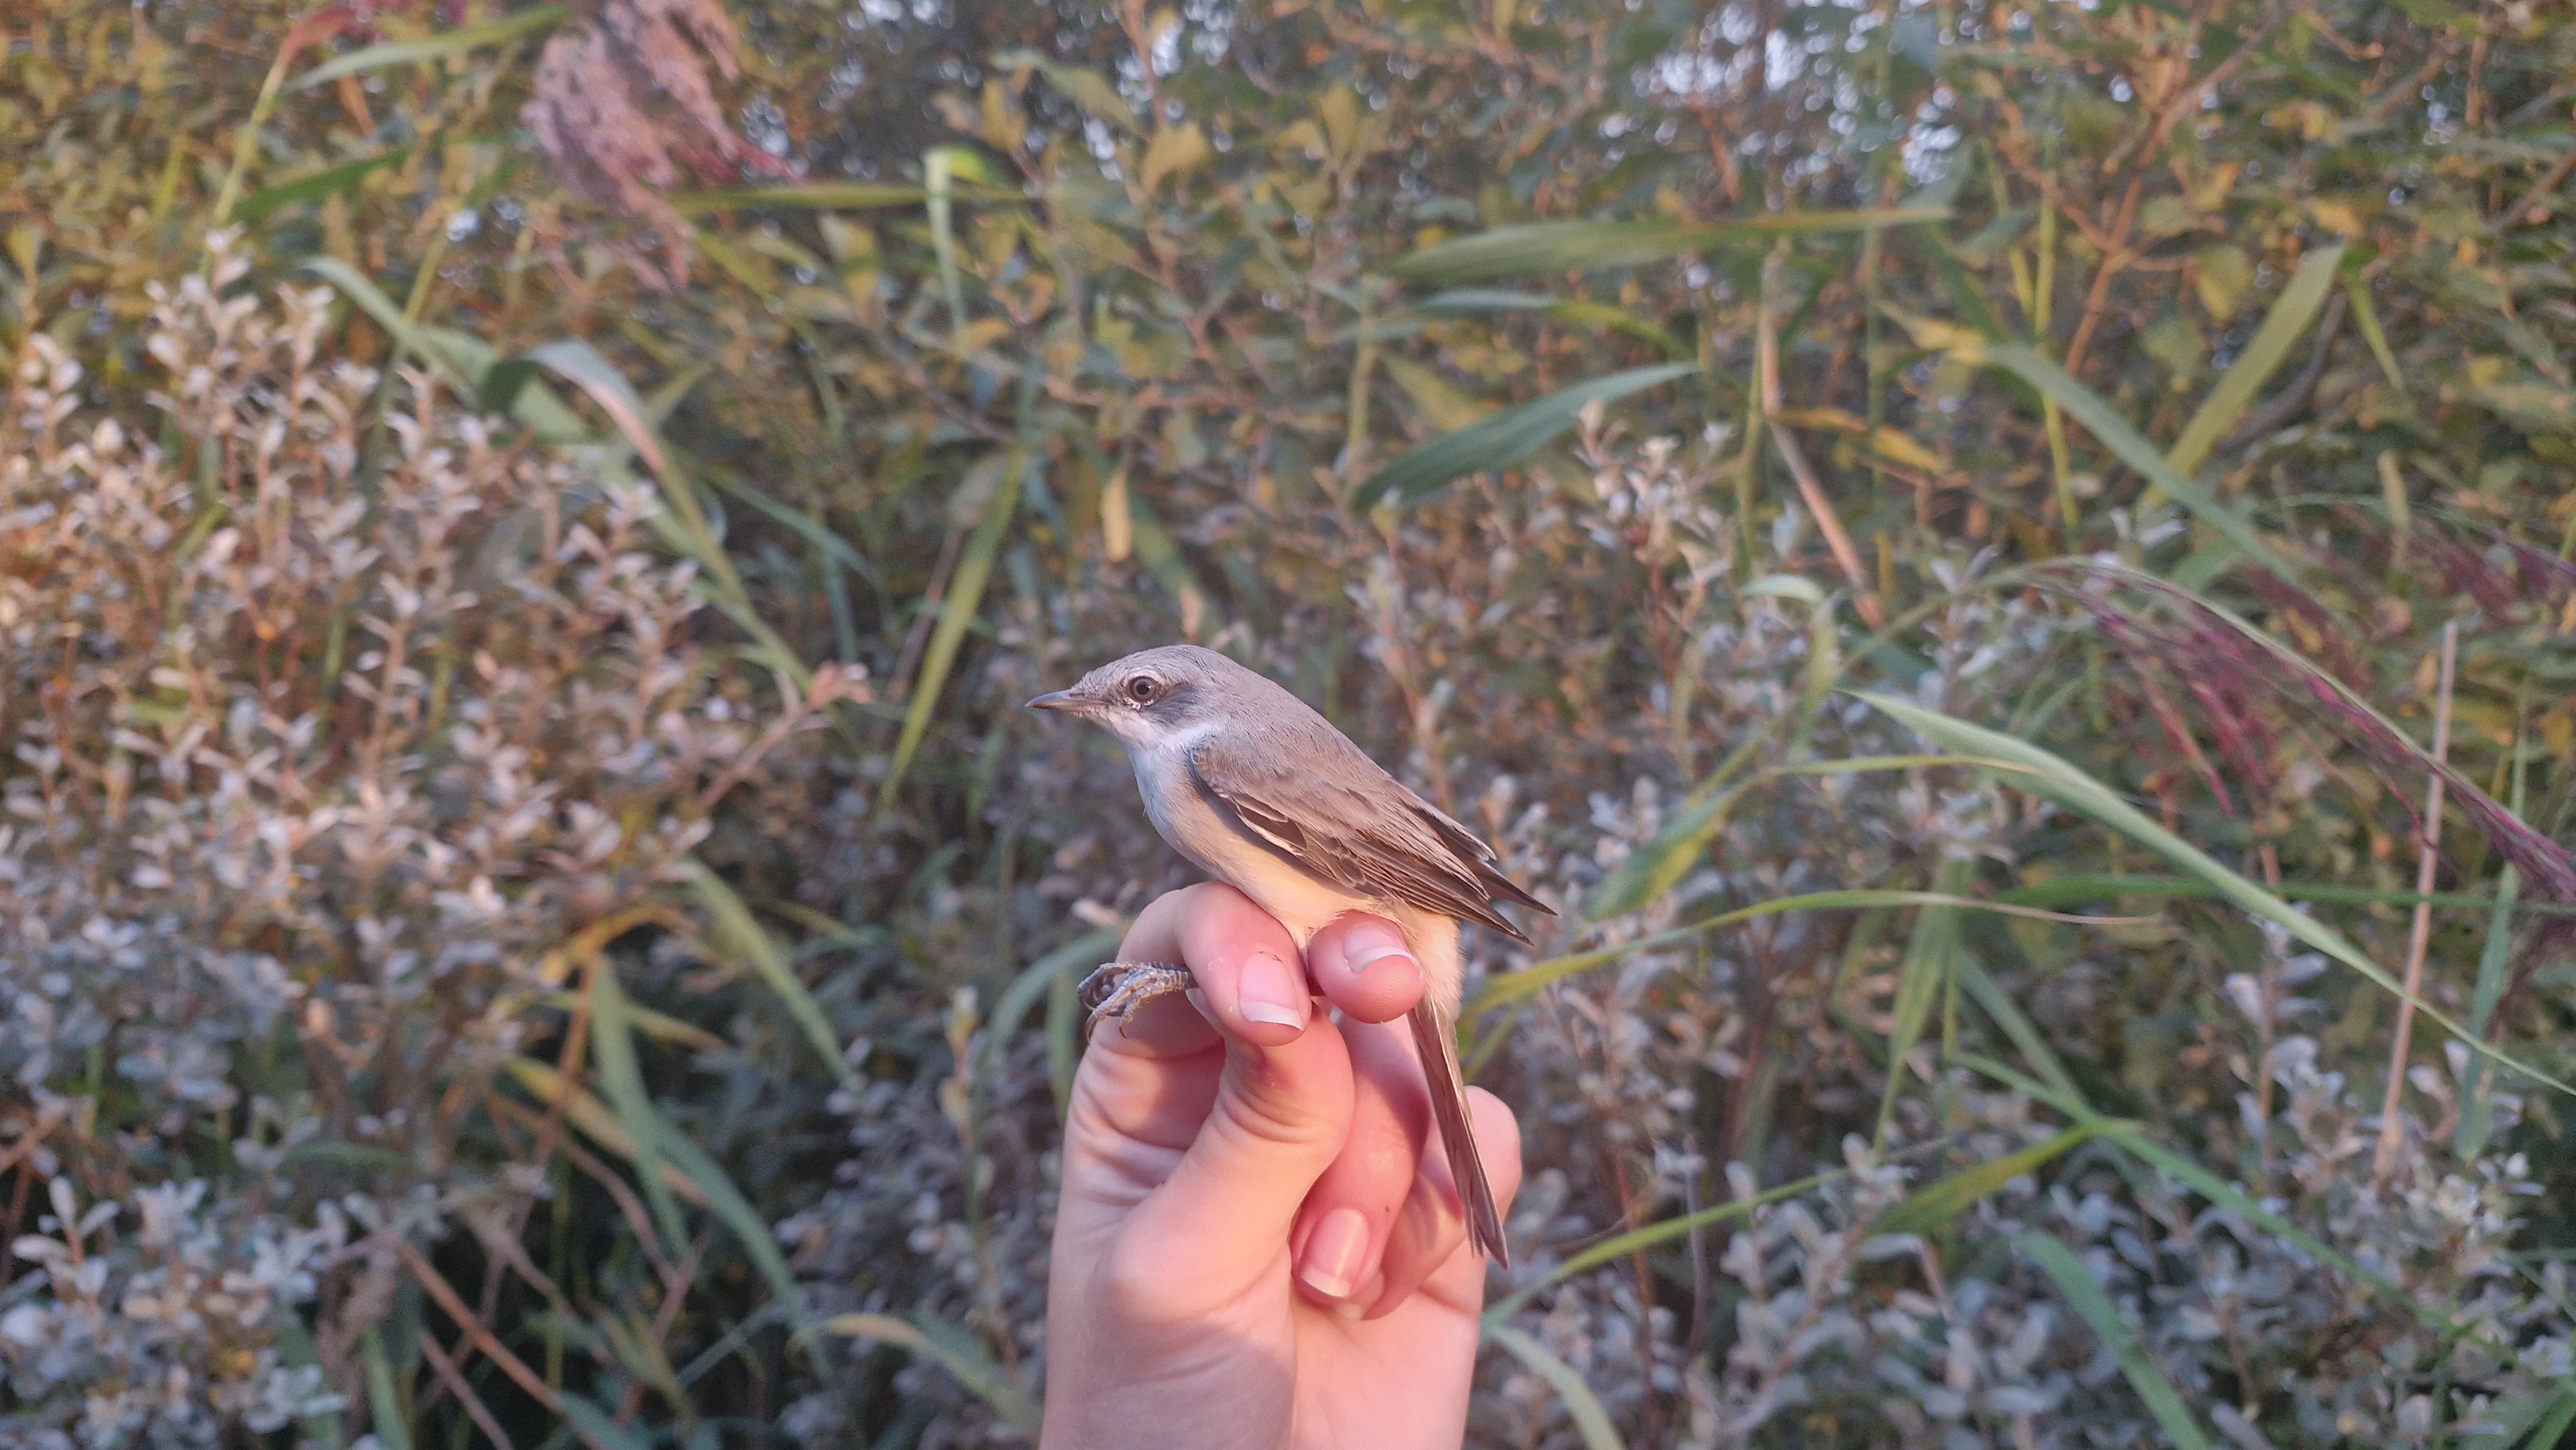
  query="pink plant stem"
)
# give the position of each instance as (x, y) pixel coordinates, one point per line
(2392, 1132)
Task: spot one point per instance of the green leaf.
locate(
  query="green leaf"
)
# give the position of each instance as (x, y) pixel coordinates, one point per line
(2053, 778)
(2086, 1298)
(1605, 246)
(956, 613)
(1930, 1211)
(1504, 439)
(441, 46)
(2263, 356)
(735, 927)
(2113, 432)
(954, 1349)
(313, 186)
(1591, 1421)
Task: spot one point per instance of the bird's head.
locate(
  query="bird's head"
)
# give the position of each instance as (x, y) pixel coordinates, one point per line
(1154, 696)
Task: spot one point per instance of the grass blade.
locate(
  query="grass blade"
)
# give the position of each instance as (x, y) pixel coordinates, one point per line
(2078, 887)
(737, 928)
(437, 47)
(2365, 315)
(1930, 1211)
(2006, 1014)
(597, 1426)
(383, 1404)
(1511, 987)
(621, 1077)
(658, 1145)
(597, 1121)
(2113, 432)
(2554, 1425)
(815, 196)
(580, 364)
(1591, 1421)
(1505, 438)
(1620, 1246)
(2086, 1298)
(1605, 246)
(314, 186)
(2495, 970)
(2060, 782)
(735, 1212)
(1036, 979)
(2495, 967)
(2262, 357)
(1660, 864)
(956, 614)
(1085, 88)
(1929, 955)
(955, 1351)
(806, 528)
(2131, 1139)
(465, 361)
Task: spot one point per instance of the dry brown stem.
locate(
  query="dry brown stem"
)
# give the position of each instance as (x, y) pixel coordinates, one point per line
(2392, 1129)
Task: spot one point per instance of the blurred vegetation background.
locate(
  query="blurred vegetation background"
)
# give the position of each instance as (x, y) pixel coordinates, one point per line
(2009, 570)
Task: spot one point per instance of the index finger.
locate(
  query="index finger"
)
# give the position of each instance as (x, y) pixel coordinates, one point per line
(1250, 981)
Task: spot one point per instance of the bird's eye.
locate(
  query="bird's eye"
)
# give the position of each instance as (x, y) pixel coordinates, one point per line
(1143, 688)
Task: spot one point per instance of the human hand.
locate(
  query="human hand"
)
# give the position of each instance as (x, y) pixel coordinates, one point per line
(1252, 1250)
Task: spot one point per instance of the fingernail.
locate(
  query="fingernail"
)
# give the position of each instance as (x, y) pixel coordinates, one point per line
(1368, 943)
(1273, 991)
(1331, 1263)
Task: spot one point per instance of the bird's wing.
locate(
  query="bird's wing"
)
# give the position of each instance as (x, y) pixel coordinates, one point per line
(1360, 830)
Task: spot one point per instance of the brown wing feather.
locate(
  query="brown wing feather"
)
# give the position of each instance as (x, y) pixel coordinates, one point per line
(1345, 831)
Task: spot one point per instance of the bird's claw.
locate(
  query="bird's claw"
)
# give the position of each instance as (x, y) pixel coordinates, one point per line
(1117, 989)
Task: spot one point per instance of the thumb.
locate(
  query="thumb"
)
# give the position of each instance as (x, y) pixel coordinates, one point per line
(1219, 1224)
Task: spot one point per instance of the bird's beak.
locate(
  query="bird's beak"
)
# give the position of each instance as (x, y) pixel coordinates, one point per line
(1065, 700)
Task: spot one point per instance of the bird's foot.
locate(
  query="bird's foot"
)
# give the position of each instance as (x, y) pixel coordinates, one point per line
(1117, 989)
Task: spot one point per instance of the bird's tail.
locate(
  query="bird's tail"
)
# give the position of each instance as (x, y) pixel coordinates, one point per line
(1438, 1044)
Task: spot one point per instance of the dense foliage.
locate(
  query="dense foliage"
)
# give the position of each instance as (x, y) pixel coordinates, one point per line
(1953, 544)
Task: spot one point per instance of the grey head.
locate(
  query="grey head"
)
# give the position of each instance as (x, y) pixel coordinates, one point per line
(1169, 694)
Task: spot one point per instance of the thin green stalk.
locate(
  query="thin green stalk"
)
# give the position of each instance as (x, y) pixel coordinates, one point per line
(1355, 411)
(246, 140)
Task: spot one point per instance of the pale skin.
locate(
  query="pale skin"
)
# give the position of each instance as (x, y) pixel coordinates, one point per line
(1253, 1250)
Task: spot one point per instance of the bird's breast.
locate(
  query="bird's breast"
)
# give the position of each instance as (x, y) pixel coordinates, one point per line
(1215, 842)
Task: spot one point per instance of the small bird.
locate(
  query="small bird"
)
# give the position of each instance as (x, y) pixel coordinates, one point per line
(1262, 793)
